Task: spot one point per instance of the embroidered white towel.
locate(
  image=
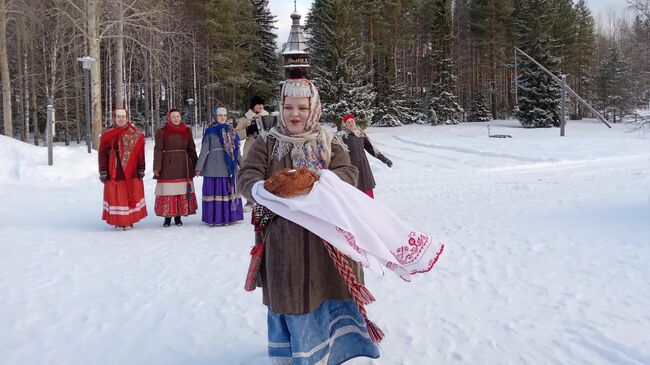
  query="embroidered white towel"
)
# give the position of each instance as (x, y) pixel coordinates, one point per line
(357, 225)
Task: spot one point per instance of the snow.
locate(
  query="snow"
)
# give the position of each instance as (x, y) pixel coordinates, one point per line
(546, 259)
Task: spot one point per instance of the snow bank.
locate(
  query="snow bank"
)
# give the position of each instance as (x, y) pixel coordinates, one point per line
(25, 164)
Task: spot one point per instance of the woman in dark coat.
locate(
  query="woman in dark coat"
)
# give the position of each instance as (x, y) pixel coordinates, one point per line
(308, 301)
(358, 143)
(173, 166)
(218, 164)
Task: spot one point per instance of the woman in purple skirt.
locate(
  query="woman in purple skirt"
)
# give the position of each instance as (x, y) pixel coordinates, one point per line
(218, 164)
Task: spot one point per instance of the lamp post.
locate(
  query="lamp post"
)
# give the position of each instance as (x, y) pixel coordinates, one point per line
(50, 132)
(190, 102)
(86, 63)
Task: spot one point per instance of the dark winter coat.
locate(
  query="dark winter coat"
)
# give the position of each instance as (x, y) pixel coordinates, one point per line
(297, 273)
(174, 156)
(357, 147)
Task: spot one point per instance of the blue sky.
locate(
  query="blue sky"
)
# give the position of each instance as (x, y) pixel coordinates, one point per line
(283, 8)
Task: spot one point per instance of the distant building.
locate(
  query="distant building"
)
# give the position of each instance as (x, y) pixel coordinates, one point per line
(294, 53)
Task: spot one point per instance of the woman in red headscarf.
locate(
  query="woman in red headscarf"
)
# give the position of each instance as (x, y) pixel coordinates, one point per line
(174, 162)
(358, 143)
(121, 169)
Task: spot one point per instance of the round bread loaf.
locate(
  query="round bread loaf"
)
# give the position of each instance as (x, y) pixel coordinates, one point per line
(288, 183)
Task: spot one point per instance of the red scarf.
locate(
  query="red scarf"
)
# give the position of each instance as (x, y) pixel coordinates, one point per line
(169, 129)
(129, 141)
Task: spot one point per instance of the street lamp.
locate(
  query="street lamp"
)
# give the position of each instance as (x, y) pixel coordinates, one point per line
(86, 63)
(190, 102)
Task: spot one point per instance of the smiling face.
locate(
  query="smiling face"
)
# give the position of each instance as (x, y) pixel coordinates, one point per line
(175, 118)
(120, 117)
(221, 118)
(295, 113)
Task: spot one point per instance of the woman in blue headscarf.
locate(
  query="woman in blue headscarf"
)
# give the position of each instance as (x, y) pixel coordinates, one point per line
(218, 164)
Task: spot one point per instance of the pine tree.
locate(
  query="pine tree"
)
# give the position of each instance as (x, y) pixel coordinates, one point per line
(266, 76)
(615, 86)
(478, 112)
(441, 106)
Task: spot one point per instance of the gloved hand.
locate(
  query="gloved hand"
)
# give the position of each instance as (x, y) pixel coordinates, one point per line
(385, 160)
(103, 176)
(141, 174)
(252, 130)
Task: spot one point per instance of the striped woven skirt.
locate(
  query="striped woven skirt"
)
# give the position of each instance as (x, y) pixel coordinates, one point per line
(332, 334)
(221, 202)
(119, 210)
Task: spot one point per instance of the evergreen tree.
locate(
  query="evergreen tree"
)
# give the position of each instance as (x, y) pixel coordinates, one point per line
(489, 22)
(639, 50)
(615, 86)
(584, 52)
(389, 107)
(441, 106)
(478, 112)
(266, 76)
(346, 94)
(489, 26)
(412, 109)
(539, 94)
(389, 103)
(230, 26)
(563, 32)
(531, 19)
(337, 61)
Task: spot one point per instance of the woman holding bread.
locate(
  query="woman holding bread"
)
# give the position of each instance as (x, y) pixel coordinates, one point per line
(308, 301)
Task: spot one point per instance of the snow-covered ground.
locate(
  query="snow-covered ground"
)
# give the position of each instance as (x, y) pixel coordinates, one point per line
(547, 258)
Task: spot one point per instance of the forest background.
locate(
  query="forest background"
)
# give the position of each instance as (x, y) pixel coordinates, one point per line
(391, 62)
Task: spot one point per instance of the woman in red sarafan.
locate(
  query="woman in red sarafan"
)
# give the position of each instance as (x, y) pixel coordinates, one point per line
(174, 163)
(121, 169)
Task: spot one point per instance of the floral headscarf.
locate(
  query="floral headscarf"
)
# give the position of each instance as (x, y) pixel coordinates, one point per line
(313, 147)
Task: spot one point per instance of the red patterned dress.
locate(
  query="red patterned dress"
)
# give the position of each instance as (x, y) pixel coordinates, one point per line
(121, 167)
